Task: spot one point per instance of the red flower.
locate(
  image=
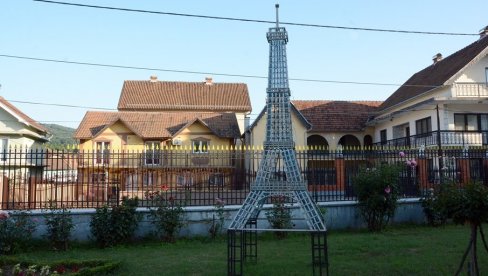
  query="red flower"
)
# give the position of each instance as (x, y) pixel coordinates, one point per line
(60, 269)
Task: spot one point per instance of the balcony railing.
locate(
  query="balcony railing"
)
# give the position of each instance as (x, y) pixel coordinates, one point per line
(462, 89)
(447, 138)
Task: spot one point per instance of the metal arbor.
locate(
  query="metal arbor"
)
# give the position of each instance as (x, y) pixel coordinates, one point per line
(278, 173)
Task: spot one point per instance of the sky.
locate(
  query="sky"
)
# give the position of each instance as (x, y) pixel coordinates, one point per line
(80, 34)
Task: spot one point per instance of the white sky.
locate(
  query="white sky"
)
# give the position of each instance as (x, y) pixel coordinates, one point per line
(41, 30)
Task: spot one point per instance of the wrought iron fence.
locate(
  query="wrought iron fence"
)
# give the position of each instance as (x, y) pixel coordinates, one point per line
(33, 179)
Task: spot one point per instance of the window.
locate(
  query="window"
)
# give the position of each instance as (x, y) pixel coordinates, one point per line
(471, 122)
(152, 152)
(423, 126)
(102, 152)
(131, 182)
(3, 149)
(184, 180)
(383, 136)
(216, 179)
(486, 76)
(98, 178)
(149, 178)
(200, 146)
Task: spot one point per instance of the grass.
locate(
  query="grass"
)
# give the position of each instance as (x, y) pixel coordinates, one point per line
(405, 250)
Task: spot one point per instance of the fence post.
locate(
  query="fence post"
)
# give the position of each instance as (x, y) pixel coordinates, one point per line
(5, 192)
(340, 173)
(485, 170)
(32, 192)
(423, 175)
(464, 169)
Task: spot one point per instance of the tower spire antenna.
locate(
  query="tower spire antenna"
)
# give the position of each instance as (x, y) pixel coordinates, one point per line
(277, 18)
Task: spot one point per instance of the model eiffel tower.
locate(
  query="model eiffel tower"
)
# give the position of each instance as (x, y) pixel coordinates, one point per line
(279, 147)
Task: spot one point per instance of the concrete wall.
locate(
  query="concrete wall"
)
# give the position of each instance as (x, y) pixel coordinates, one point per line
(340, 215)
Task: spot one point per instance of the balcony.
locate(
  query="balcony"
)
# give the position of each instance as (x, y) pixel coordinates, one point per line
(471, 89)
(447, 138)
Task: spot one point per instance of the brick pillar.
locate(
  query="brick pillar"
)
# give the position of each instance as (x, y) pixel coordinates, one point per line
(340, 168)
(5, 192)
(464, 169)
(423, 175)
(31, 198)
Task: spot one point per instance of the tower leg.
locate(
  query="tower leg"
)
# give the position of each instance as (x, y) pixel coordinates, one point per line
(320, 258)
(251, 241)
(235, 253)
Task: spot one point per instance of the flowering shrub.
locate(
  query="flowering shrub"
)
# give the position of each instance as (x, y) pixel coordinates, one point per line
(111, 226)
(59, 225)
(15, 231)
(377, 193)
(168, 218)
(279, 217)
(466, 205)
(217, 223)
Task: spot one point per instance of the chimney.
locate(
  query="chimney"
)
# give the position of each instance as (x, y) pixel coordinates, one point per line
(208, 81)
(437, 58)
(483, 32)
(153, 78)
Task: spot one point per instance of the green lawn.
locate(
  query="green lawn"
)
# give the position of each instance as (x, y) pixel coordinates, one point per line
(398, 251)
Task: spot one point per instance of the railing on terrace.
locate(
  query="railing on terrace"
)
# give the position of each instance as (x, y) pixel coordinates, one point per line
(448, 138)
(465, 89)
(78, 179)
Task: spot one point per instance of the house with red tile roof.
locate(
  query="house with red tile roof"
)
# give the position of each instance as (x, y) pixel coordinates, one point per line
(155, 113)
(444, 104)
(324, 124)
(162, 134)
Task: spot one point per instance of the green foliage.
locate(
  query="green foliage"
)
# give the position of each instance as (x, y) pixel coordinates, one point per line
(377, 194)
(279, 217)
(468, 204)
(112, 226)
(59, 226)
(61, 136)
(168, 218)
(217, 222)
(15, 232)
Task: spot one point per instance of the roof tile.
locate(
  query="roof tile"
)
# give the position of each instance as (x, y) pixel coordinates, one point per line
(196, 96)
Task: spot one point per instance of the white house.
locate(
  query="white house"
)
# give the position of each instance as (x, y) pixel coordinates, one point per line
(444, 104)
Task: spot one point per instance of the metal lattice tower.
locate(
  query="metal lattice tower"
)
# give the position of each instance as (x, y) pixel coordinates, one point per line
(279, 147)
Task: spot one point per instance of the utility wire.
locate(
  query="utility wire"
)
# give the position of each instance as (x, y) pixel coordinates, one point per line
(208, 73)
(258, 21)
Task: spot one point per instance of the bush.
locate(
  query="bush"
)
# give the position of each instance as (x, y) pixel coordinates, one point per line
(15, 231)
(59, 225)
(466, 205)
(279, 217)
(168, 218)
(377, 194)
(217, 222)
(112, 226)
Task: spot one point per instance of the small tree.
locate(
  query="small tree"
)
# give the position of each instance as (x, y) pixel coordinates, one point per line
(217, 221)
(111, 226)
(468, 205)
(279, 217)
(59, 225)
(377, 192)
(168, 218)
